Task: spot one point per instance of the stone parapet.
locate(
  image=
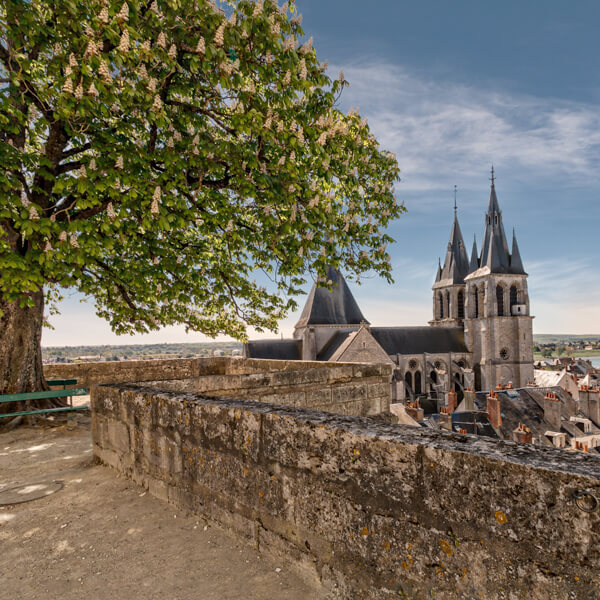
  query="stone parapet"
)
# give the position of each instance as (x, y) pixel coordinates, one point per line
(381, 511)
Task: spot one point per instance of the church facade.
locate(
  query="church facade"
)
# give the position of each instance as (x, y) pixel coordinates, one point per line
(481, 333)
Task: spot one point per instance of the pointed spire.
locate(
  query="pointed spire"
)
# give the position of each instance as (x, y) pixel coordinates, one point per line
(335, 307)
(474, 263)
(516, 264)
(456, 263)
(438, 276)
(494, 249)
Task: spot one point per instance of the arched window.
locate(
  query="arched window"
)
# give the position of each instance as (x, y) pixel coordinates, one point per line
(514, 297)
(500, 300)
(418, 382)
(461, 305)
(448, 304)
(408, 379)
(476, 302)
(441, 305)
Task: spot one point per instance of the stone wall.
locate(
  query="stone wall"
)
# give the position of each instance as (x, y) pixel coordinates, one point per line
(381, 511)
(350, 389)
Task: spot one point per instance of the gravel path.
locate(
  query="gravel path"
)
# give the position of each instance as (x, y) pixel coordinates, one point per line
(101, 537)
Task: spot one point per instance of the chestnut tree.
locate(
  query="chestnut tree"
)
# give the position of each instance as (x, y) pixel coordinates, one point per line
(169, 157)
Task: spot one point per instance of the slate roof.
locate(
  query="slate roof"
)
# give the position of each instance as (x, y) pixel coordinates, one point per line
(275, 349)
(494, 249)
(418, 340)
(334, 343)
(456, 263)
(335, 307)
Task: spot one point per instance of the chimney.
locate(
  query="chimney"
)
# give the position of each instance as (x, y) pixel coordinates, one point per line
(469, 399)
(523, 434)
(594, 405)
(552, 406)
(414, 410)
(451, 401)
(493, 410)
(445, 421)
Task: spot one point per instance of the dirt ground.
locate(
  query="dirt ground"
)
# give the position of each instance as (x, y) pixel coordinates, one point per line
(101, 537)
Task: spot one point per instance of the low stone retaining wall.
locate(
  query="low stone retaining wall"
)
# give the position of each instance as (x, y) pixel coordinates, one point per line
(349, 389)
(381, 511)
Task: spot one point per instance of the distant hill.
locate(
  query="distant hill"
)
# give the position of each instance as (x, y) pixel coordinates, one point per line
(550, 338)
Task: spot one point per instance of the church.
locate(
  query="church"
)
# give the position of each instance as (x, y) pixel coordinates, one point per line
(480, 336)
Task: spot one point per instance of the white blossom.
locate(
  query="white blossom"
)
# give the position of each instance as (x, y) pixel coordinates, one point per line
(267, 124)
(281, 161)
(341, 76)
(288, 77)
(124, 42)
(290, 44)
(284, 8)
(124, 12)
(47, 247)
(322, 139)
(91, 49)
(173, 52)
(92, 165)
(110, 211)
(92, 91)
(303, 71)
(219, 35)
(79, 92)
(276, 29)
(157, 104)
(155, 261)
(292, 156)
(154, 7)
(161, 40)
(33, 213)
(269, 57)
(73, 241)
(57, 48)
(82, 171)
(201, 46)
(280, 126)
(229, 226)
(103, 14)
(105, 71)
(68, 86)
(258, 8)
(72, 60)
(307, 47)
(62, 236)
(152, 84)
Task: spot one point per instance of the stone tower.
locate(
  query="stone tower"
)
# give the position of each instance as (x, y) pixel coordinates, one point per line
(449, 298)
(325, 313)
(498, 325)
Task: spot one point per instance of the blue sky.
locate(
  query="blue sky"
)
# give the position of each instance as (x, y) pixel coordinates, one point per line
(453, 87)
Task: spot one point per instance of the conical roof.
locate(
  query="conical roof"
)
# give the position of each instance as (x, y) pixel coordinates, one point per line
(456, 263)
(438, 275)
(516, 264)
(335, 307)
(474, 263)
(494, 249)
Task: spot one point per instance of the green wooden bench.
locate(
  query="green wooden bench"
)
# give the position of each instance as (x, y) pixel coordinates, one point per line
(64, 393)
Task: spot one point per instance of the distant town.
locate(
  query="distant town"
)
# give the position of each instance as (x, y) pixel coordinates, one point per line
(545, 346)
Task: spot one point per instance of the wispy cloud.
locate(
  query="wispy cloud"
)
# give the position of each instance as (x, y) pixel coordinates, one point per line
(440, 129)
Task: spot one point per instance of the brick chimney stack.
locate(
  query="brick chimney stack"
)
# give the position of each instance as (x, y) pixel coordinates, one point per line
(415, 411)
(445, 420)
(523, 434)
(493, 410)
(451, 400)
(469, 399)
(589, 402)
(552, 409)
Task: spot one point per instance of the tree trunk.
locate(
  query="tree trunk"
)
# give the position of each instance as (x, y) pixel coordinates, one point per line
(21, 353)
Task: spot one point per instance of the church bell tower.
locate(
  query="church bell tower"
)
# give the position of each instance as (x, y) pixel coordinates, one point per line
(498, 324)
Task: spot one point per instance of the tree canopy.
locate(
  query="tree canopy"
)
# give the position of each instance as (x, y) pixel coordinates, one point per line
(161, 156)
